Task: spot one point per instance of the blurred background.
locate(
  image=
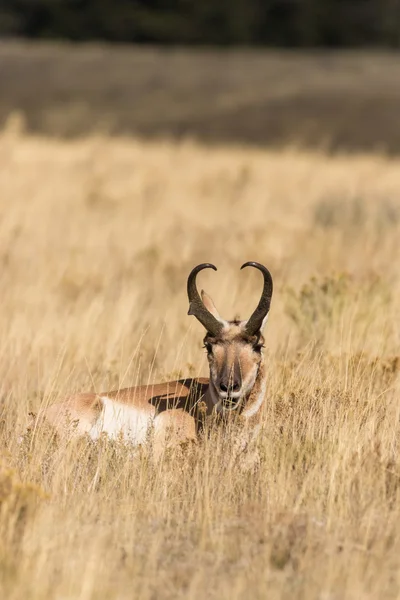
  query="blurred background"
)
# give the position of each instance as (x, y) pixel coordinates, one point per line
(140, 138)
(286, 23)
(261, 72)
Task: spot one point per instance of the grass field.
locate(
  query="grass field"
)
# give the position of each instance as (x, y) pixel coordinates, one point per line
(97, 237)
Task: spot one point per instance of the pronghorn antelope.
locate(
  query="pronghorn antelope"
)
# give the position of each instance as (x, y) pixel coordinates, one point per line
(175, 411)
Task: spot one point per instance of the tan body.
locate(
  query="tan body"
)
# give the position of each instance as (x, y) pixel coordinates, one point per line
(130, 414)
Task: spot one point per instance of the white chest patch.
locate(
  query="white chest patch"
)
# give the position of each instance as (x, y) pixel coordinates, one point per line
(117, 419)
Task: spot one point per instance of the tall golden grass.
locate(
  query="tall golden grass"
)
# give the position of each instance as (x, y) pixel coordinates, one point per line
(97, 237)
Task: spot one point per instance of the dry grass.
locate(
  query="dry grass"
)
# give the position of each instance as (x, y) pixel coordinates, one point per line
(97, 238)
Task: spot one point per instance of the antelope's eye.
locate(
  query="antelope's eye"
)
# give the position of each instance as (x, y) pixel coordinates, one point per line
(258, 347)
(208, 347)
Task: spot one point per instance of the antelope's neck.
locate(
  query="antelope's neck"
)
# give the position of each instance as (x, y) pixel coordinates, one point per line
(255, 399)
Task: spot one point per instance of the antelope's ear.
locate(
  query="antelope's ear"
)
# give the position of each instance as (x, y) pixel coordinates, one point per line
(210, 306)
(264, 322)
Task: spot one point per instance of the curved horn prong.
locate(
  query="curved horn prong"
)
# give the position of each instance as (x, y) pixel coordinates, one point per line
(196, 306)
(253, 325)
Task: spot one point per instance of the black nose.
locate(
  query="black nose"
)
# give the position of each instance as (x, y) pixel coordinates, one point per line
(232, 387)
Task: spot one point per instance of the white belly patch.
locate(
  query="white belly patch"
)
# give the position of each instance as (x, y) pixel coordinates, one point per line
(121, 420)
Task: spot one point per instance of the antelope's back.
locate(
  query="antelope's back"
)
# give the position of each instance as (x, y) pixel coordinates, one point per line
(180, 394)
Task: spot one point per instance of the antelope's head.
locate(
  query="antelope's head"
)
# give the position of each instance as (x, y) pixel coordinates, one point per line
(234, 348)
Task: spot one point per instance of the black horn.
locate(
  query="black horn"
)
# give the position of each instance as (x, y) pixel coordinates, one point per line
(253, 325)
(196, 306)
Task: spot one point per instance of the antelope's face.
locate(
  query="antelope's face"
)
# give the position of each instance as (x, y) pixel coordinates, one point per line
(234, 348)
(234, 358)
